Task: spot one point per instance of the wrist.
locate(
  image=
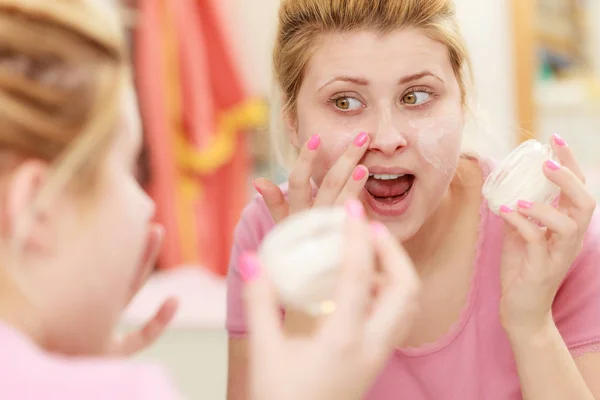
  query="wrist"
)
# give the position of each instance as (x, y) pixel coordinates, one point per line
(532, 333)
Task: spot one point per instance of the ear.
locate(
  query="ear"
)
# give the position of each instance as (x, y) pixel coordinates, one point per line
(23, 188)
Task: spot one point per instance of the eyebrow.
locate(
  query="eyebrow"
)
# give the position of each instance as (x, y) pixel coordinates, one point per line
(359, 81)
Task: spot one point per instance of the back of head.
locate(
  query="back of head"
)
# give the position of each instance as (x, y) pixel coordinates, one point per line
(302, 22)
(64, 81)
(61, 78)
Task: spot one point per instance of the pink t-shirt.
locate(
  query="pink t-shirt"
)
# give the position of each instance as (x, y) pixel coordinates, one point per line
(29, 373)
(474, 359)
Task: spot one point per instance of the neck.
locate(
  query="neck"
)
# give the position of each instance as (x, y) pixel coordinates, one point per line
(438, 229)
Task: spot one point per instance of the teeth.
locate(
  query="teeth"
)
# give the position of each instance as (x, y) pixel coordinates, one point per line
(385, 177)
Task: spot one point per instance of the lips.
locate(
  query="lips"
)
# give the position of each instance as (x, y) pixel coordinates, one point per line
(389, 191)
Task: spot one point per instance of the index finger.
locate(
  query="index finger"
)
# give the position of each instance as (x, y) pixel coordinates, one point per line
(354, 291)
(139, 340)
(337, 177)
(264, 323)
(566, 157)
(300, 188)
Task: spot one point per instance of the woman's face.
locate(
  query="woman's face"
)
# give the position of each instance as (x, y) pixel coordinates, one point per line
(95, 259)
(399, 88)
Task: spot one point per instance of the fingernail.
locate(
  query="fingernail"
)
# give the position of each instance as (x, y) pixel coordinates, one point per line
(314, 142)
(506, 209)
(361, 139)
(524, 204)
(354, 208)
(249, 267)
(256, 187)
(553, 165)
(359, 173)
(558, 140)
(378, 228)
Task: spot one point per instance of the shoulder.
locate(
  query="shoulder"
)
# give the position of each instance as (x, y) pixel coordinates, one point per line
(57, 377)
(255, 222)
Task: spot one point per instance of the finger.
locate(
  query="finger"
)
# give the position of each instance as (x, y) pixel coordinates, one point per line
(533, 235)
(155, 239)
(566, 156)
(397, 301)
(354, 185)
(563, 227)
(300, 188)
(338, 175)
(262, 308)
(273, 197)
(151, 331)
(354, 291)
(575, 197)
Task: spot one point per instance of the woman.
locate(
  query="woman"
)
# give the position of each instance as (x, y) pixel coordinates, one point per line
(77, 240)
(376, 95)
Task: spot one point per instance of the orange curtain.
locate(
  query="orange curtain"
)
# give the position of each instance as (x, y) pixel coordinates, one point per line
(196, 111)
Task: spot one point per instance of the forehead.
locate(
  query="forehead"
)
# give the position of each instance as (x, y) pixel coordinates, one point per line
(380, 55)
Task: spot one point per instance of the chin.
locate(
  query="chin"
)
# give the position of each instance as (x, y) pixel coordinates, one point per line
(404, 225)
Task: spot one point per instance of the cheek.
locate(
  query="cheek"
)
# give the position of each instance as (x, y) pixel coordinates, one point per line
(125, 217)
(438, 142)
(333, 145)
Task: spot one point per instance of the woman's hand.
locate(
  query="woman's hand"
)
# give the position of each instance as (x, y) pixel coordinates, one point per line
(540, 245)
(343, 181)
(344, 355)
(144, 337)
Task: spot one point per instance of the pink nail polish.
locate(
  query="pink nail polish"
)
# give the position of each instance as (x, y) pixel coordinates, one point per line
(506, 209)
(361, 139)
(553, 165)
(524, 204)
(354, 208)
(378, 228)
(558, 140)
(359, 173)
(314, 142)
(249, 267)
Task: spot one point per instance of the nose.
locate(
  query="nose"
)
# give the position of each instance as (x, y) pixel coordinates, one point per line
(388, 138)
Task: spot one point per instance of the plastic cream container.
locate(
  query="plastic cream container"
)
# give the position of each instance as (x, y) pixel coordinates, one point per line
(302, 256)
(520, 176)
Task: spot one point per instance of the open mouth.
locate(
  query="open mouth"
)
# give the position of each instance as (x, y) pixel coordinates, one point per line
(388, 192)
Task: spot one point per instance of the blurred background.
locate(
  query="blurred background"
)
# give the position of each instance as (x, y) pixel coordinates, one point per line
(204, 82)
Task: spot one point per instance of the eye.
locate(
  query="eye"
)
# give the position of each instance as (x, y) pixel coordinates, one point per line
(415, 98)
(347, 103)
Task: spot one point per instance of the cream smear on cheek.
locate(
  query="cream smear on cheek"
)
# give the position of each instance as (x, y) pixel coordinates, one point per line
(432, 136)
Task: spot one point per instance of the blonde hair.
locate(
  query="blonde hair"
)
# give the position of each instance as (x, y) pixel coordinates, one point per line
(301, 22)
(62, 74)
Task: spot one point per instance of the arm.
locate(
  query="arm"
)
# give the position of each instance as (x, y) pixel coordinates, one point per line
(589, 366)
(550, 306)
(547, 369)
(237, 372)
(562, 361)
(254, 224)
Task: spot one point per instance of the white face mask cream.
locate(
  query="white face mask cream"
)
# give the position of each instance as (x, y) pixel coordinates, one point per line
(520, 176)
(430, 136)
(302, 256)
